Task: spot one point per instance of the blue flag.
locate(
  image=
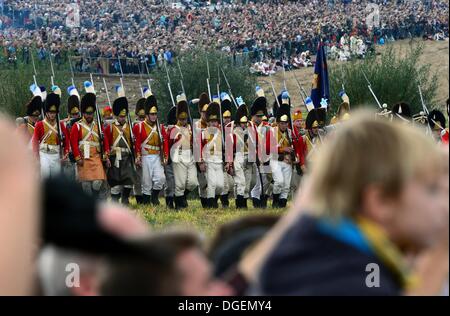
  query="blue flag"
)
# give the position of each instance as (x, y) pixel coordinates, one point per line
(320, 90)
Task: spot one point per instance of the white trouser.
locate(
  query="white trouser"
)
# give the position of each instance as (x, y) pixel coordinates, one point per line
(214, 178)
(242, 176)
(118, 188)
(99, 187)
(202, 184)
(228, 183)
(153, 177)
(281, 173)
(185, 177)
(50, 164)
(169, 188)
(256, 183)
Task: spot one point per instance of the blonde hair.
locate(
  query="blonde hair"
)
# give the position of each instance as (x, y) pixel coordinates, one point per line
(368, 151)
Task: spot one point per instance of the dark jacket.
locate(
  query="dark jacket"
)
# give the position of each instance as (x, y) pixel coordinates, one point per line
(310, 261)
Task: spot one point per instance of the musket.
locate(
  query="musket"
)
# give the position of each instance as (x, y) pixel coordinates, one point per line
(181, 76)
(60, 135)
(300, 88)
(148, 74)
(273, 91)
(229, 88)
(35, 81)
(424, 107)
(71, 70)
(207, 79)
(99, 123)
(168, 85)
(184, 92)
(369, 85)
(284, 75)
(51, 67)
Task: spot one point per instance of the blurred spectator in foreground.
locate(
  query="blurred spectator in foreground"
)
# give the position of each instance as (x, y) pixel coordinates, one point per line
(19, 212)
(79, 237)
(172, 264)
(372, 220)
(231, 243)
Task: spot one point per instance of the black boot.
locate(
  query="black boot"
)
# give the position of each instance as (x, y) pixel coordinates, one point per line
(169, 202)
(256, 203)
(184, 200)
(282, 203)
(239, 201)
(115, 197)
(244, 203)
(263, 202)
(204, 202)
(138, 199)
(224, 200)
(179, 204)
(212, 203)
(146, 199)
(275, 200)
(125, 196)
(155, 197)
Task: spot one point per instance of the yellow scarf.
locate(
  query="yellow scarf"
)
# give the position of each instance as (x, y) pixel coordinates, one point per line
(387, 252)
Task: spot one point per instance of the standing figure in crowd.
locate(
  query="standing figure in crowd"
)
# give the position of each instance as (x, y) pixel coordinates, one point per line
(90, 147)
(243, 139)
(140, 117)
(152, 152)
(225, 105)
(282, 164)
(121, 175)
(200, 127)
(181, 146)
(50, 138)
(211, 155)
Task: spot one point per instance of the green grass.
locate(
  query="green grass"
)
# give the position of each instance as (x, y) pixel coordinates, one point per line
(195, 217)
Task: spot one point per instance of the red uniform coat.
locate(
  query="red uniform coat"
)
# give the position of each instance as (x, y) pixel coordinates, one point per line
(299, 146)
(40, 130)
(77, 134)
(141, 134)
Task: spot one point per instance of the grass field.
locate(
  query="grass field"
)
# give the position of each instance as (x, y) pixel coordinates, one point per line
(195, 217)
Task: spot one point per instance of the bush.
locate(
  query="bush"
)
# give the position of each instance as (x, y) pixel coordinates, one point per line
(15, 81)
(394, 76)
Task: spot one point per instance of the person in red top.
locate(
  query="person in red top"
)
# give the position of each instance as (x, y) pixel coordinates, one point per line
(121, 175)
(242, 138)
(436, 120)
(50, 141)
(261, 168)
(152, 152)
(300, 149)
(89, 146)
(183, 164)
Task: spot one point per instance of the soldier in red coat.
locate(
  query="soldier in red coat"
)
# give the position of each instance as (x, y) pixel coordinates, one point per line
(300, 149)
(50, 139)
(89, 146)
(152, 152)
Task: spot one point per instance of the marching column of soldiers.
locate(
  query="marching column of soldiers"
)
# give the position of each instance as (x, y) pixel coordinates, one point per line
(251, 155)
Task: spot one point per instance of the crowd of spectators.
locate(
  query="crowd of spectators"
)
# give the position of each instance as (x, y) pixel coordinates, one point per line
(257, 31)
